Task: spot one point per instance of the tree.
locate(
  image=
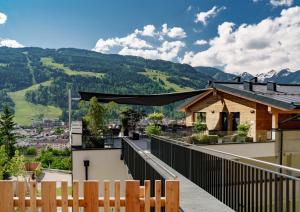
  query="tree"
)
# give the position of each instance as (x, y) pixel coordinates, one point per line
(130, 118)
(7, 136)
(153, 128)
(58, 131)
(3, 162)
(96, 117)
(17, 165)
(156, 118)
(31, 151)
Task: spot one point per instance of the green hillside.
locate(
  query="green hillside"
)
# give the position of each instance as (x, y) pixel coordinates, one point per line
(26, 74)
(26, 112)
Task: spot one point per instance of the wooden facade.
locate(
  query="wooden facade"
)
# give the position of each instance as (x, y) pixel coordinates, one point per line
(262, 118)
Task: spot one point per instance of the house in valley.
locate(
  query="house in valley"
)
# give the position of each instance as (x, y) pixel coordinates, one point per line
(266, 107)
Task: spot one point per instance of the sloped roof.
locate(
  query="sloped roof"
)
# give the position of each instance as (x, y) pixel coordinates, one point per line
(286, 96)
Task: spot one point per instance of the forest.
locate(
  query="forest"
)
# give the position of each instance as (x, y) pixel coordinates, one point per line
(73, 69)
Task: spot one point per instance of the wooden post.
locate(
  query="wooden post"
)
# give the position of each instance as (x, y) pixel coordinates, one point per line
(6, 196)
(132, 201)
(172, 196)
(48, 196)
(91, 196)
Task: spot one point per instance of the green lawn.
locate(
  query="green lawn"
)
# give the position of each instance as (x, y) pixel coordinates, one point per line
(156, 75)
(48, 61)
(26, 112)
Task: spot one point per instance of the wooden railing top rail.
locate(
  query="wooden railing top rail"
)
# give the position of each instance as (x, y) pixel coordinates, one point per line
(137, 198)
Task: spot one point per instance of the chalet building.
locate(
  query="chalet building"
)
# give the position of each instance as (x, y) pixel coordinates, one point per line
(264, 106)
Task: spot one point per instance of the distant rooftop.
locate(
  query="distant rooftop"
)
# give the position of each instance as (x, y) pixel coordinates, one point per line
(285, 96)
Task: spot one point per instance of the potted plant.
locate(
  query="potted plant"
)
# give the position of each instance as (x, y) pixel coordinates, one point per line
(155, 120)
(129, 121)
(242, 131)
(200, 127)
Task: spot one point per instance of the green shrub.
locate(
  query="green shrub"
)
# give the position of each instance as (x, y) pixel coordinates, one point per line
(31, 151)
(156, 116)
(243, 129)
(203, 139)
(199, 127)
(153, 129)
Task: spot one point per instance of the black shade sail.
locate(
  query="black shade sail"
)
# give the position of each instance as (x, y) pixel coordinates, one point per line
(148, 100)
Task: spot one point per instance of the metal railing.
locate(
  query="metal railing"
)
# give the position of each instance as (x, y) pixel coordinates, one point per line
(241, 186)
(105, 141)
(142, 167)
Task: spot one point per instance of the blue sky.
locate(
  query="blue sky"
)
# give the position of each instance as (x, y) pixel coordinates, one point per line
(120, 26)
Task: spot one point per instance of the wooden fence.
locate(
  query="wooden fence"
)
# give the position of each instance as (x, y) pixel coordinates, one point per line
(26, 197)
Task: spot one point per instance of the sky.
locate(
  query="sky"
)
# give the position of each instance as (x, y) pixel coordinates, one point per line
(234, 35)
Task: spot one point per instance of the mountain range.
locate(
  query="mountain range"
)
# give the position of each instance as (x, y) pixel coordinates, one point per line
(34, 81)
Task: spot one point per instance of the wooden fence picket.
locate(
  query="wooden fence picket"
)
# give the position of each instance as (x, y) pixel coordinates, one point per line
(64, 196)
(132, 195)
(21, 196)
(147, 195)
(172, 196)
(32, 193)
(157, 196)
(106, 196)
(75, 194)
(91, 196)
(117, 196)
(6, 196)
(137, 198)
(49, 196)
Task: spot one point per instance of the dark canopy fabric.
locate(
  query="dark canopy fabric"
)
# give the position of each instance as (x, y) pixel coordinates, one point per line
(148, 100)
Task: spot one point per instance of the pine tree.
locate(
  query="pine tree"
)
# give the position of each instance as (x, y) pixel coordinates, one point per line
(7, 136)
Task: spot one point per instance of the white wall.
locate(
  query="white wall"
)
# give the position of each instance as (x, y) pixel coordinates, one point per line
(251, 150)
(104, 165)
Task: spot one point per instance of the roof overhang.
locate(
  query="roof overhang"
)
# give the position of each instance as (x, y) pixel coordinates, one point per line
(256, 97)
(147, 100)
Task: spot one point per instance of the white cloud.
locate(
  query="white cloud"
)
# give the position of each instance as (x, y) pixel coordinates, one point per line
(149, 30)
(130, 40)
(174, 32)
(148, 43)
(277, 3)
(270, 44)
(10, 43)
(3, 18)
(167, 51)
(200, 42)
(204, 16)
